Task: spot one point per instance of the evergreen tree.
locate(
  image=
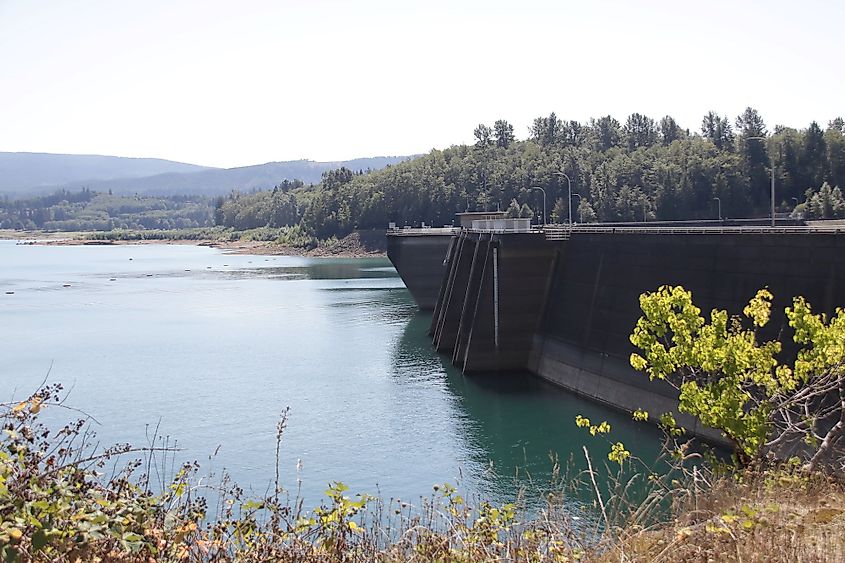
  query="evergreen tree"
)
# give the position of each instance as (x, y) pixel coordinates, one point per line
(333, 179)
(834, 139)
(749, 123)
(669, 131)
(525, 212)
(608, 133)
(718, 130)
(640, 131)
(813, 156)
(750, 126)
(512, 212)
(559, 211)
(826, 203)
(483, 136)
(503, 133)
(546, 130)
(586, 213)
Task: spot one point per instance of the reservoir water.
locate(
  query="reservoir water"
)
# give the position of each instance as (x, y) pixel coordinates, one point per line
(212, 347)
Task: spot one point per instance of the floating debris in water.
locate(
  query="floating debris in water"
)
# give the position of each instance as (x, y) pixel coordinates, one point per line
(149, 275)
(187, 270)
(65, 285)
(10, 293)
(112, 279)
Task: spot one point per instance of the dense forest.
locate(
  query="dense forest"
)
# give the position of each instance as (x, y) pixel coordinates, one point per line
(640, 169)
(86, 210)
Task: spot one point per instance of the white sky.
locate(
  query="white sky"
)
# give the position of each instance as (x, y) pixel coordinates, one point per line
(248, 81)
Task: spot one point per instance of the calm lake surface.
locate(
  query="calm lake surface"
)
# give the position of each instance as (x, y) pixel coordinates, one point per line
(212, 347)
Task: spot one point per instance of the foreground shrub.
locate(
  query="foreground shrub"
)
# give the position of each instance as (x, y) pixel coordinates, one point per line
(734, 383)
(62, 500)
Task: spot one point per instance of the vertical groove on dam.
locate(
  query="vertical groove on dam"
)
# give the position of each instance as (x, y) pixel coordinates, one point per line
(464, 321)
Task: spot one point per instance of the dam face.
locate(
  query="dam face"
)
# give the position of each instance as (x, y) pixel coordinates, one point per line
(418, 257)
(563, 309)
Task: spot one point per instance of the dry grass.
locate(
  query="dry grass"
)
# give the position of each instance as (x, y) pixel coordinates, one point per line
(756, 516)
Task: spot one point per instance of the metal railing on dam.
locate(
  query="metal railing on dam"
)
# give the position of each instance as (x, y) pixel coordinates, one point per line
(564, 232)
(424, 231)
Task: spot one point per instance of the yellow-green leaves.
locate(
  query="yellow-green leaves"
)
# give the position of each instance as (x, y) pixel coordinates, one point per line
(759, 309)
(618, 453)
(666, 332)
(718, 366)
(826, 341)
(602, 428)
(640, 415)
(724, 376)
(638, 362)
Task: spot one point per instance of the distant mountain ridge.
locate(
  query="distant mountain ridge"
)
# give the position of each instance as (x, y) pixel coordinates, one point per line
(23, 174)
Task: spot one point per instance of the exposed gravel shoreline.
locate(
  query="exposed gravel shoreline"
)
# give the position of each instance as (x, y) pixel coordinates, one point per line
(348, 247)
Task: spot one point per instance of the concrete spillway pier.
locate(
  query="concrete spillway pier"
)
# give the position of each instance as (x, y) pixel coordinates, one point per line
(561, 302)
(492, 299)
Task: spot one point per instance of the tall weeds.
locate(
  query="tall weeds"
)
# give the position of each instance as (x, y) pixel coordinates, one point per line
(62, 499)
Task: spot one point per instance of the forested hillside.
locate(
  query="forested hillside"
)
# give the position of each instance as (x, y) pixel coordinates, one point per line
(642, 168)
(86, 210)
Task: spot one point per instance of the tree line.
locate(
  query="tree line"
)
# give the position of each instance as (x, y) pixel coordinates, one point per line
(87, 210)
(642, 169)
(636, 170)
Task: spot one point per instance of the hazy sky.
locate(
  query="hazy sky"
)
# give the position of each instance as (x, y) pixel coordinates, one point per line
(243, 82)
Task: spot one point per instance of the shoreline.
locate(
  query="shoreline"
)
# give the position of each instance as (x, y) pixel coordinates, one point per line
(344, 249)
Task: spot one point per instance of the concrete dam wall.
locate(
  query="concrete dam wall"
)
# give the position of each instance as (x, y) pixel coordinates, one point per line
(491, 300)
(564, 309)
(419, 259)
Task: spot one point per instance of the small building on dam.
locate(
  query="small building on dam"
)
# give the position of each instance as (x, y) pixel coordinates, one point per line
(560, 302)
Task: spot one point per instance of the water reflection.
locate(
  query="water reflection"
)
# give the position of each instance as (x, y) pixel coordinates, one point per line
(517, 425)
(340, 269)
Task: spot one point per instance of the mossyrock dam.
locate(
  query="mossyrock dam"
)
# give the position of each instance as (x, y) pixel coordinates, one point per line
(560, 302)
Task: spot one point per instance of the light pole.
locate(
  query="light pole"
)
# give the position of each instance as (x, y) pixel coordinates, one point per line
(773, 176)
(544, 201)
(580, 211)
(568, 201)
(719, 201)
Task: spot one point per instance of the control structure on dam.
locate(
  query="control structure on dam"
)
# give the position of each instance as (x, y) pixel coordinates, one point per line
(560, 302)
